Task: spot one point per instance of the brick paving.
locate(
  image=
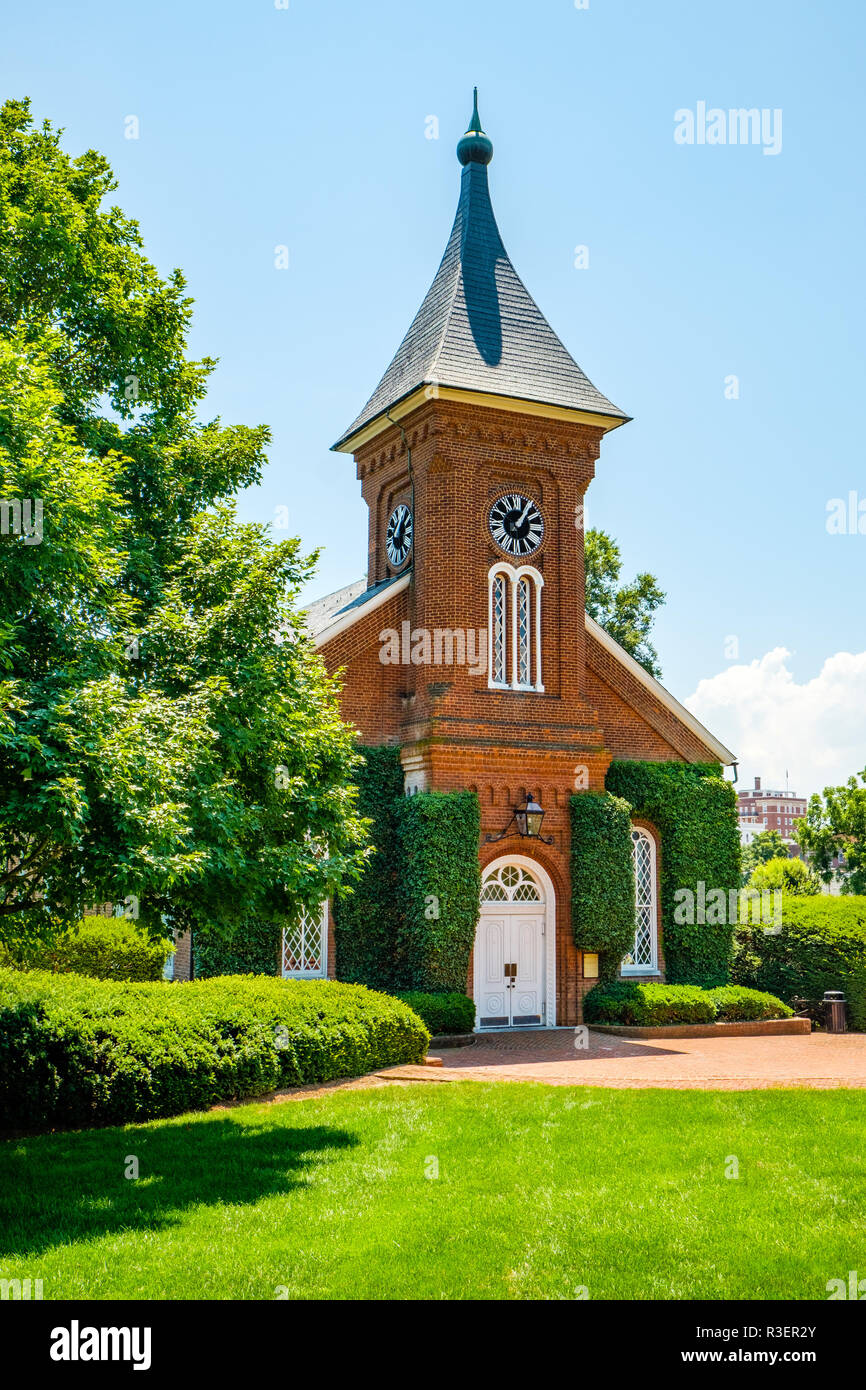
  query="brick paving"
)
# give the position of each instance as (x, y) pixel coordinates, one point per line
(820, 1060)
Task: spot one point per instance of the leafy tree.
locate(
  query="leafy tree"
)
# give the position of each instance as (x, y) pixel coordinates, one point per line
(168, 737)
(766, 845)
(787, 875)
(625, 611)
(74, 279)
(835, 828)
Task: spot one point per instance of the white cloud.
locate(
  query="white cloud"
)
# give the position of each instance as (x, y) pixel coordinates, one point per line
(817, 730)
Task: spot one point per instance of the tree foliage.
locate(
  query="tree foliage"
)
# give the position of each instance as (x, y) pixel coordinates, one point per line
(168, 737)
(626, 611)
(785, 875)
(835, 829)
(766, 845)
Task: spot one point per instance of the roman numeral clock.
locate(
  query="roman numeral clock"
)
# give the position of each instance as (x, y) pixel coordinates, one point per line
(398, 536)
(516, 524)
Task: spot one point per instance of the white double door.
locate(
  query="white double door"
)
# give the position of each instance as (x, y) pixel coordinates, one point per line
(510, 967)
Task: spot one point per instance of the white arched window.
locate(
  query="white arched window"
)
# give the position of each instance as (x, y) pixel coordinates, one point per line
(642, 959)
(514, 627)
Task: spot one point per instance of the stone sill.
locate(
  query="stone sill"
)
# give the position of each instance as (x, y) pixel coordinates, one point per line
(757, 1028)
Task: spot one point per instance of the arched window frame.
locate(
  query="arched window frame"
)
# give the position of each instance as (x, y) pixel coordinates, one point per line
(505, 653)
(644, 904)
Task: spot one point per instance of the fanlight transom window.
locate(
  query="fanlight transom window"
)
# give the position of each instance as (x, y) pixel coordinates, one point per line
(305, 947)
(515, 627)
(511, 884)
(643, 956)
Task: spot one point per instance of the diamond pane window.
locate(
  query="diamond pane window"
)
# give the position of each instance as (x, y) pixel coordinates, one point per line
(523, 668)
(499, 638)
(642, 958)
(305, 947)
(515, 627)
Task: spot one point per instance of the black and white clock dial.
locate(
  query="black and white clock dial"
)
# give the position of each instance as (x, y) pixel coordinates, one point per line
(516, 524)
(398, 537)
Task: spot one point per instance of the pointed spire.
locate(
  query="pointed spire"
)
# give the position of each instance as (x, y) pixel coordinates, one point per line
(478, 329)
(475, 147)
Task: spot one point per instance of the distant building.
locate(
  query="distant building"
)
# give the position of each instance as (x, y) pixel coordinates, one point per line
(760, 809)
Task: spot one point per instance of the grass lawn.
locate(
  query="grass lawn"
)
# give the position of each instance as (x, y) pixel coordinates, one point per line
(541, 1191)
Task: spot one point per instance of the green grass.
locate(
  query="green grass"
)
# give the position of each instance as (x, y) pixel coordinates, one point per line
(541, 1191)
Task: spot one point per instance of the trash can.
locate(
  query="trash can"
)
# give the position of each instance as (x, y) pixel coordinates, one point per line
(834, 1009)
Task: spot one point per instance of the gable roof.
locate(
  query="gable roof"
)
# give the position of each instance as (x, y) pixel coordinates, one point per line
(655, 688)
(335, 612)
(331, 615)
(479, 329)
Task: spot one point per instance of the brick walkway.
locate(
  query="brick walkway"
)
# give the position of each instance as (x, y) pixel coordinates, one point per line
(738, 1064)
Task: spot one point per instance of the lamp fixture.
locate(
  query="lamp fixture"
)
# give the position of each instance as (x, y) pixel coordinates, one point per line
(528, 819)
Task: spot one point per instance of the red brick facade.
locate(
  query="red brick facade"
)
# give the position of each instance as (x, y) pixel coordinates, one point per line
(454, 732)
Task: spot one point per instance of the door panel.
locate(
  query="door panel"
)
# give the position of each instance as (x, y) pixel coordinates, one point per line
(526, 949)
(494, 1004)
(511, 972)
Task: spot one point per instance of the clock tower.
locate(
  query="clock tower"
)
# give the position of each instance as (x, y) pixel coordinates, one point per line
(474, 454)
(467, 644)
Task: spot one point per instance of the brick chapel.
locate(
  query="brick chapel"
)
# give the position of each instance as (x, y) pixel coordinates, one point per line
(467, 643)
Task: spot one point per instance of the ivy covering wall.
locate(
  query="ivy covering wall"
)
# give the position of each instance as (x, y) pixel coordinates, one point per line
(368, 920)
(695, 812)
(602, 878)
(252, 949)
(441, 887)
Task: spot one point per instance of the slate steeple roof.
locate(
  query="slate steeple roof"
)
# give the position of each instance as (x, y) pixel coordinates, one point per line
(479, 329)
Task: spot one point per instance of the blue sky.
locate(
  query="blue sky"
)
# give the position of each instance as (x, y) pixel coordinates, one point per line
(305, 127)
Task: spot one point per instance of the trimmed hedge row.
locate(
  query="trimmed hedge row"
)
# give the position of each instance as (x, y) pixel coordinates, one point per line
(695, 812)
(76, 1052)
(820, 945)
(103, 948)
(653, 1005)
(442, 1013)
(602, 878)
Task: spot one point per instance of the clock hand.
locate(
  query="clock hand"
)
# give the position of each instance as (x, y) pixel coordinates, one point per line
(522, 517)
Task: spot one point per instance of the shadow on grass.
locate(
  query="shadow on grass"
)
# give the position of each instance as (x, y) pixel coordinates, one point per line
(62, 1188)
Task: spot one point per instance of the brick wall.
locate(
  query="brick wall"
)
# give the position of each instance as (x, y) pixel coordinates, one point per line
(183, 957)
(453, 730)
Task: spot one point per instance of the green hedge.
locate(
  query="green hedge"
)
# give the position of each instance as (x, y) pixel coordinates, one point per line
(602, 878)
(734, 1004)
(646, 1005)
(653, 1005)
(821, 945)
(367, 919)
(251, 948)
(79, 1052)
(104, 948)
(695, 812)
(442, 1013)
(441, 887)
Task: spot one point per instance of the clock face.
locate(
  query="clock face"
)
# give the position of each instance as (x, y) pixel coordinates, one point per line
(516, 524)
(398, 537)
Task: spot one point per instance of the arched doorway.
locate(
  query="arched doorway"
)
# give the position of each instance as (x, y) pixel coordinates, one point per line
(514, 966)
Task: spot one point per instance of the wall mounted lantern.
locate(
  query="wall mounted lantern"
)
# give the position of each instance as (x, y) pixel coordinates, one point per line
(528, 820)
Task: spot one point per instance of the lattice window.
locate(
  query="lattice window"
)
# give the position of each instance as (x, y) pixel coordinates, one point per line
(643, 955)
(305, 947)
(499, 665)
(511, 883)
(515, 627)
(524, 673)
